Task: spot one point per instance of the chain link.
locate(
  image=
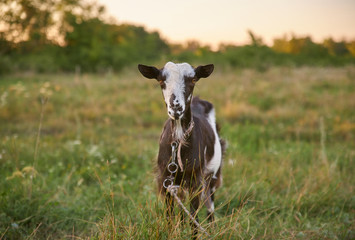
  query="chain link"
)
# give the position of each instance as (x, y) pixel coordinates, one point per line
(172, 167)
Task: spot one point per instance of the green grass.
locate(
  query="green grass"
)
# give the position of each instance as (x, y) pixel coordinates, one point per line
(288, 172)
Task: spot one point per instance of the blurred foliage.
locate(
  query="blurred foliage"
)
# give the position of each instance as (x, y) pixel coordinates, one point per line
(76, 35)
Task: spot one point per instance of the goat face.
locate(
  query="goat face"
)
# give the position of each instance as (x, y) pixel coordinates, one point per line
(177, 82)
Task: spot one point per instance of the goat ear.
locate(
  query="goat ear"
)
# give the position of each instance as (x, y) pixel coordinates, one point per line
(148, 71)
(204, 71)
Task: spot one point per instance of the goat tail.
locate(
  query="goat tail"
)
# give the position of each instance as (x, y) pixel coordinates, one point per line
(224, 145)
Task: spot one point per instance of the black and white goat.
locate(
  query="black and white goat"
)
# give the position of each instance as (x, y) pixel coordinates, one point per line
(200, 149)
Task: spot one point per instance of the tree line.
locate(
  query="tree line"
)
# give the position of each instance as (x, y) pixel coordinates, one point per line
(67, 35)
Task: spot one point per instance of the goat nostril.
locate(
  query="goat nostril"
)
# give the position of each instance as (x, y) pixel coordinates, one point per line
(176, 107)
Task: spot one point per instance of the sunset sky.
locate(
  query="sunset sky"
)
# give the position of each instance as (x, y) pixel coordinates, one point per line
(215, 21)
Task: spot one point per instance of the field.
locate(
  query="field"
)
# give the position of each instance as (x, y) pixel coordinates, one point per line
(77, 155)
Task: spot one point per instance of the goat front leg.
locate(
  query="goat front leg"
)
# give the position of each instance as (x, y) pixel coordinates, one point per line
(194, 205)
(169, 202)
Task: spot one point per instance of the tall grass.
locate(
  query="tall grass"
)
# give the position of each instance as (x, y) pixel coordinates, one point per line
(288, 172)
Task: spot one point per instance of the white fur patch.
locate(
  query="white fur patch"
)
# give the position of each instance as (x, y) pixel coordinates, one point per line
(215, 162)
(175, 83)
(211, 209)
(179, 132)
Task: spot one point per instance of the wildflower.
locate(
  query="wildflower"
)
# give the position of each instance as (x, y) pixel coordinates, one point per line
(18, 88)
(46, 85)
(29, 170)
(45, 90)
(16, 174)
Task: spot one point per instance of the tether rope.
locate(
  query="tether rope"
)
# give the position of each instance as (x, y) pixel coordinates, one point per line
(172, 189)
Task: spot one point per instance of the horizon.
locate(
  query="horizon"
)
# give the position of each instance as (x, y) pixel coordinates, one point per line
(178, 23)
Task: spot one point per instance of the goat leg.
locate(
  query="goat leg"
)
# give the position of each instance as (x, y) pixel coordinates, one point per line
(194, 205)
(169, 202)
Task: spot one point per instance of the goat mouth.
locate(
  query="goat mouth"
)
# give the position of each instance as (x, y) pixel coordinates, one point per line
(176, 116)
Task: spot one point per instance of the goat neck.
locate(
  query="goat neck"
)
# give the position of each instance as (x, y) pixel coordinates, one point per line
(179, 127)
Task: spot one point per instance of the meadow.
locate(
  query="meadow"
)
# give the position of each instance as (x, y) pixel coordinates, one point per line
(77, 155)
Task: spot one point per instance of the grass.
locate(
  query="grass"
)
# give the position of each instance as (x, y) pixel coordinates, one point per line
(84, 170)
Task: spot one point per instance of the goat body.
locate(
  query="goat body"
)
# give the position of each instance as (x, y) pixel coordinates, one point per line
(201, 151)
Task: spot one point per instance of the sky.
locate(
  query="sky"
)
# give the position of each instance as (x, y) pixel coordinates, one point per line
(214, 21)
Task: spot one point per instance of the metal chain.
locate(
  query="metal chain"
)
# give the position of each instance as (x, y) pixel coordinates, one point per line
(172, 167)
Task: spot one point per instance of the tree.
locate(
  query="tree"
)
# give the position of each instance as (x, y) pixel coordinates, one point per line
(336, 48)
(351, 47)
(41, 21)
(255, 40)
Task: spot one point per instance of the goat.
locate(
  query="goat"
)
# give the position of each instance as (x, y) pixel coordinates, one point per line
(192, 124)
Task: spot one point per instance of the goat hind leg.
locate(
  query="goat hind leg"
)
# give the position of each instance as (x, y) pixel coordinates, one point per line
(208, 196)
(209, 203)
